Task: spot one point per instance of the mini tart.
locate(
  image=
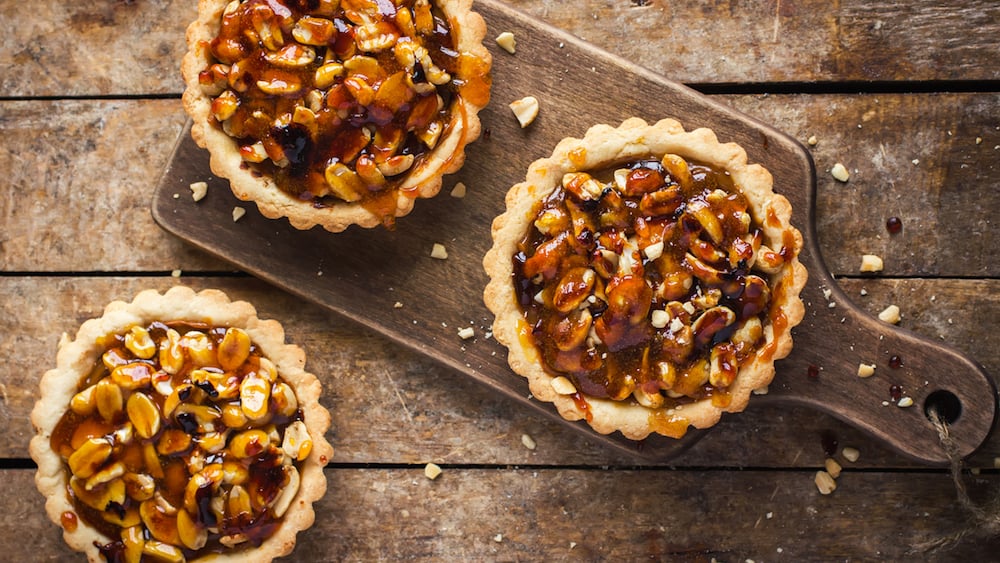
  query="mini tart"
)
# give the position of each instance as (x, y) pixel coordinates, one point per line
(332, 112)
(645, 278)
(180, 427)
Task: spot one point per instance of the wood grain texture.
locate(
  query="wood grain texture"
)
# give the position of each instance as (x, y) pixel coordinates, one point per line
(689, 41)
(416, 411)
(536, 514)
(725, 41)
(944, 198)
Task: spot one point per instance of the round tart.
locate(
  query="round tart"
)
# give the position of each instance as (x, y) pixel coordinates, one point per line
(645, 278)
(333, 112)
(180, 427)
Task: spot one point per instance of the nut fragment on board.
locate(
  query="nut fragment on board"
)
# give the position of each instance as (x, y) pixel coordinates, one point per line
(199, 190)
(439, 251)
(890, 315)
(525, 110)
(866, 370)
(459, 190)
(871, 263)
(851, 454)
(507, 42)
(238, 213)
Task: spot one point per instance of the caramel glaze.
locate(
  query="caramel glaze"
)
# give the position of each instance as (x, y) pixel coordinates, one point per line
(620, 304)
(343, 125)
(73, 429)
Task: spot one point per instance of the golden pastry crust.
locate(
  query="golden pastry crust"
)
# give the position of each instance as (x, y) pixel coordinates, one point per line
(76, 361)
(601, 149)
(366, 202)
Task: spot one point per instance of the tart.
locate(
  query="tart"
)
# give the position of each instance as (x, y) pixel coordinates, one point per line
(180, 427)
(645, 278)
(333, 112)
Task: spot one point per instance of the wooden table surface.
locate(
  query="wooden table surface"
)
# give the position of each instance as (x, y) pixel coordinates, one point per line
(905, 94)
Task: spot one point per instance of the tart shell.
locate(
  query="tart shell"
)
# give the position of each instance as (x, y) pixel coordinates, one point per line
(601, 147)
(77, 357)
(423, 181)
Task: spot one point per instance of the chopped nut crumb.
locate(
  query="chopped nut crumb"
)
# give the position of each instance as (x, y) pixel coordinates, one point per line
(439, 252)
(459, 190)
(177, 196)
(890, 315)
(563, 386)
(871, 263)
(199, 190)
(238, 212)
(979, 140)
(813, 141)
(525, 110)
(905, 402)
(572, 544)
(659, 318)
(832, 467)
(865, 370)
(498, 538)
(825, 483)
(507, 42)
(864, 292)
(176, 273)
(840, 173)
(996, 463)
(528, 441)
(432, 471)
(827, 293)
(851, 454)
(916, 161)
(466, 333)
(397, 305)
(654, 251)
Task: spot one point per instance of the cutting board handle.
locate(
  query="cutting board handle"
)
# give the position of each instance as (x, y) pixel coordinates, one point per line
(913, 374)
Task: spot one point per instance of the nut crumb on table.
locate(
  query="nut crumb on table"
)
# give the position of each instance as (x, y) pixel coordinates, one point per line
(432, 471)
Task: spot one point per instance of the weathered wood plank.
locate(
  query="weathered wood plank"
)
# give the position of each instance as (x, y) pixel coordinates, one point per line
(594, 515)
(107, 181)
(722, 41)
(79, 178)
(134, 48)
(392, 406)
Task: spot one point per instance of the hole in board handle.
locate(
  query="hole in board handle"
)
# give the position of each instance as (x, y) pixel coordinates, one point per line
(946, 403)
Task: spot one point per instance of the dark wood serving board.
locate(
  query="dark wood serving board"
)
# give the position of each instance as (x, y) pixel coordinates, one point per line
(363, 274)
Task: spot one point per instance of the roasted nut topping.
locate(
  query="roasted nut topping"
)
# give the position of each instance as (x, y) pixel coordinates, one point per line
(181, 438)
(645, 282)
(366, 70)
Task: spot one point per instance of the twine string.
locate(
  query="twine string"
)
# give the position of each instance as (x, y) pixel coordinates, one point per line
(983, 522)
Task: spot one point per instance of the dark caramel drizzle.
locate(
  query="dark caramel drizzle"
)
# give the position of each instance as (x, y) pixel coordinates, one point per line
(654, 204)
(342, 121)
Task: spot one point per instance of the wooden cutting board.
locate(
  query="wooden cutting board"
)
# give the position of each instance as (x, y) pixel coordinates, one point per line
(387, 280)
